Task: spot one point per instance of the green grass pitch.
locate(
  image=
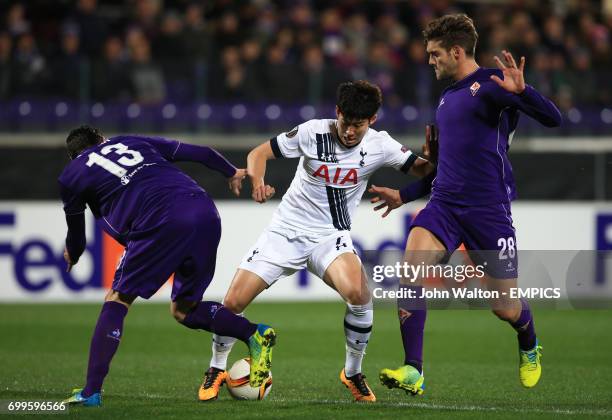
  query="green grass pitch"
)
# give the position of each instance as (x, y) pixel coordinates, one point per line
(470, 367)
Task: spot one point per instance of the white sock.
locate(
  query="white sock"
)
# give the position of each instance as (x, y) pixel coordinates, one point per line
(221, 348)
(357, 329)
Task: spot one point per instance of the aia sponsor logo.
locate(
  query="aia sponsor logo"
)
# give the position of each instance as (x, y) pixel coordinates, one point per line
(340, 176)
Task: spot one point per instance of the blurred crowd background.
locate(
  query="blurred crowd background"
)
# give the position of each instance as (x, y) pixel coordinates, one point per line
(176, 64)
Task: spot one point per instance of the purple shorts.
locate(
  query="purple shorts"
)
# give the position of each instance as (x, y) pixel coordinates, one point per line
(486, 232)
(183, 240)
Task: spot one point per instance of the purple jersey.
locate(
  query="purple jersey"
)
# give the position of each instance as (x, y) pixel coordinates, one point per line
(477, 119)
(127, 181)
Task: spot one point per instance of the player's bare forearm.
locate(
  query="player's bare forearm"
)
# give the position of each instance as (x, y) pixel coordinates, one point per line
(256, 163)
(421, 168)
(256, 170)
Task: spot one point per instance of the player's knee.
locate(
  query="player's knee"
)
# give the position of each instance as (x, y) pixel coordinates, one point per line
(357, 296)
(233, 303)
(506, 314)
(178, 315)
(179, 310)
(430, 257)
(115, 296)
(421, 239)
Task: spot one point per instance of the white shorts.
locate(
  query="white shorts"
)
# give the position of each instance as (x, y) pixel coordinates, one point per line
(276, 255)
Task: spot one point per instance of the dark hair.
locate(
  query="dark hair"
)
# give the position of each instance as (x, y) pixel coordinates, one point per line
(453, 30)
(81, 138)
(358, 100)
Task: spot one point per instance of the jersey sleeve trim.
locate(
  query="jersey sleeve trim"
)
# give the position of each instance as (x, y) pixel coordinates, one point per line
(178, 144)
(409, 162)
(275, 149)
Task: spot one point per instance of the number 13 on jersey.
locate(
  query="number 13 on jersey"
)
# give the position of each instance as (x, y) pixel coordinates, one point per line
(128, 158)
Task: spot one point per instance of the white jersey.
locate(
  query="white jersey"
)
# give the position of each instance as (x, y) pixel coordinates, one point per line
(330, 178)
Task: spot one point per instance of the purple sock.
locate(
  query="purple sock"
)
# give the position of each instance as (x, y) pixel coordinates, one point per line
(216, 318)
(412, 313)
(104, 343)
(525, 330)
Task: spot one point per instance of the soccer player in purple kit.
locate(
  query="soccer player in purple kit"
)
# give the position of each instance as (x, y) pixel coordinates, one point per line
(168, 225)
(471, 192)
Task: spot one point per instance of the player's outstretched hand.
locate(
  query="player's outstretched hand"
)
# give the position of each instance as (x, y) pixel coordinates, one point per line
(235, 182)
(514, 80)
(263, 193)
(68, 260)
(387, 197)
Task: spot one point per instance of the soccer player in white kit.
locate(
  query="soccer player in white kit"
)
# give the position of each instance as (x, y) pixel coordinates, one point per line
(311, 227)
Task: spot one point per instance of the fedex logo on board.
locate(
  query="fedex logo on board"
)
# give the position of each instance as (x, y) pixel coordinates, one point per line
(36, 264)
